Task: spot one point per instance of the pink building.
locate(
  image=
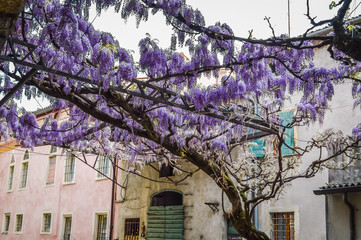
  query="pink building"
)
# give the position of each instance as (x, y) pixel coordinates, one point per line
(49, 193)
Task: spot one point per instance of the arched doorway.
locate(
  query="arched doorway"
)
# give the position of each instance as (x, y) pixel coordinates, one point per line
(166, 216)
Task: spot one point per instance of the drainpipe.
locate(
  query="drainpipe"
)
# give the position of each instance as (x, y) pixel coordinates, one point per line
(352, 216)
(327, 219)
(111, 227)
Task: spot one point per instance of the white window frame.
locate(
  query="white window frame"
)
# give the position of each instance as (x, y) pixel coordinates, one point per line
(296, 212)
(23, 163)
(98, 175)
(3, 231)
(65, 161)
(15, 223)
(63, 225)
(51, 155)
(95, 230)
(12, 165)
(43, 222)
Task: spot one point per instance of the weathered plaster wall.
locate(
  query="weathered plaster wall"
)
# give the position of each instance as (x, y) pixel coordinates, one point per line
(310, 217)
(200, 221)
(338, 216)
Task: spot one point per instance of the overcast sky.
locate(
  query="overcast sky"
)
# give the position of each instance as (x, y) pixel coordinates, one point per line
(241, 15)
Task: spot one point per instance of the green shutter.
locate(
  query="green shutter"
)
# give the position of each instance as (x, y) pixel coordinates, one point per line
(258, 150)
(165, 223)
(289, 135)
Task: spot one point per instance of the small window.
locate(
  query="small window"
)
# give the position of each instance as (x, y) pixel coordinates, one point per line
(166, 170)
(283, 226)
(53, 149)
(26, 155)
(131, 229)
(50, 179)
(46, 224)
(101, 227)
(67, 227)
(103, 167)
(69, 171)
(6, 223)
(11, 177)
(19, 223)
(24, 170)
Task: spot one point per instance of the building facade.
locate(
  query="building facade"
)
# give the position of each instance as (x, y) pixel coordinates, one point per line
(49, 193)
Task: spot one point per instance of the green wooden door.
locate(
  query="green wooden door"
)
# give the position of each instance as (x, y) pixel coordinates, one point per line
(165, 222)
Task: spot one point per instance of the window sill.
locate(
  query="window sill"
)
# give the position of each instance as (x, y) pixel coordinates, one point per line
(18, 232)
(9, 191)
(101, 178)
(22, 189)
(49, 185)
(4, 233)
(45, 233)
(68, 183)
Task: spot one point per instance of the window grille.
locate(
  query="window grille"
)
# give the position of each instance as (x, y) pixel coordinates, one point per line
(69, 168)
(51, 170)
(103, 166)
(6, 222)
(24, 174)
(283, 226)
(67, 228)
(131, 229)
(101, 227)
(11, 178)
(19, 223)
(46, 222)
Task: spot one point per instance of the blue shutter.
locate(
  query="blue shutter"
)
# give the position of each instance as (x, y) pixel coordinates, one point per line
(258, 150)
(289, 135)
(230, 229)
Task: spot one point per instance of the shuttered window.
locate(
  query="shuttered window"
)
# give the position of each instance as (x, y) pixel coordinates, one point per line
(258, 149)
(289, 133)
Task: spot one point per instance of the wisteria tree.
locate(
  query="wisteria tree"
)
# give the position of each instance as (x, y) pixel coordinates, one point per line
(54, 51)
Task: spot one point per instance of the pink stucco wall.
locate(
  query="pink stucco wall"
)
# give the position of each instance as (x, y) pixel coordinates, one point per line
(82, 199)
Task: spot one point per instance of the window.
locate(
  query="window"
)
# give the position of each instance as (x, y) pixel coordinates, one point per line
(67, 228)
(26, 155)
(166, 170)
(11, 173)
(11, 177)
(69, 171)
(19, 223)
(283, 226)
(50, 179)
(103, 167)
(6, 223)
(53, 149)
(131, 231)
(101, 226)
(289, 133)
(24, 170)
(46, 223)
